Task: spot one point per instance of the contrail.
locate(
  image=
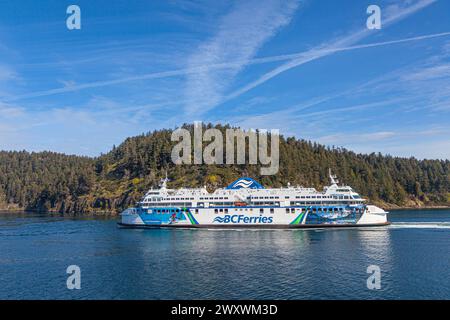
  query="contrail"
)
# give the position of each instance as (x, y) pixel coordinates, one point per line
(307, 56)
(315, 54)
(331, 48)
(336, 46)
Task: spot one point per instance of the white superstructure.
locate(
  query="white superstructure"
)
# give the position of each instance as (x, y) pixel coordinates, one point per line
(247, 203)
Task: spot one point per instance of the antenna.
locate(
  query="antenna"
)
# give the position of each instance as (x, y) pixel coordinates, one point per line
(163, 184)
(333, 178)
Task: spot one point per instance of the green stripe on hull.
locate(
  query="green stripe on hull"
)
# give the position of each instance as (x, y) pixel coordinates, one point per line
(190, 217)
(298, 219)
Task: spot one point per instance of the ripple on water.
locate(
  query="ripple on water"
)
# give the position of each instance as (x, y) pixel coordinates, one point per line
(222, 264)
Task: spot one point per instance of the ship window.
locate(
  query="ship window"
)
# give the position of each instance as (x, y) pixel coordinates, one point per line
(216, 211)
(261, 210)
(287, 210)
(292, 210)
(226, 210)
(196, 210)
(272, 210)
(221, 210)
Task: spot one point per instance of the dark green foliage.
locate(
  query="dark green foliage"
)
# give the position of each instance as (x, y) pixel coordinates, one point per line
(44, 181)
(49, 181)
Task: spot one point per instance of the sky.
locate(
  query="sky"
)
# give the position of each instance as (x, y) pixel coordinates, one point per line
(310, 68)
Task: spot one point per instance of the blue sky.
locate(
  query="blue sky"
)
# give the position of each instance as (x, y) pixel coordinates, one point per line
(308, 68)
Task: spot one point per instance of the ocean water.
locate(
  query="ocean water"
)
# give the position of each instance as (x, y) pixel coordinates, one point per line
(413, 255)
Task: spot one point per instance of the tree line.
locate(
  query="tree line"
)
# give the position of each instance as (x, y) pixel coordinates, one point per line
(49, 181)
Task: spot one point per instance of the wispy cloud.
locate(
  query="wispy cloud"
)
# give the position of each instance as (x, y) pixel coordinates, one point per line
(394, 14)
(418, 143)
(429, 73)
(240, 34)
(130, 82)
(345, 139)
(71, 86)
(7, 73)
(415, 98)
(8, 111)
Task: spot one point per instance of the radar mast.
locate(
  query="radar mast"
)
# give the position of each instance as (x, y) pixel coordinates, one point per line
(333, 178)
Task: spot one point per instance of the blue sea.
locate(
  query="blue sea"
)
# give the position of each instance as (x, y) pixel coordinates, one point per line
(412, 254)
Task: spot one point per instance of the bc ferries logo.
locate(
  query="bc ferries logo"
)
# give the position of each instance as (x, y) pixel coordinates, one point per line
(242, 219)
(245, 183)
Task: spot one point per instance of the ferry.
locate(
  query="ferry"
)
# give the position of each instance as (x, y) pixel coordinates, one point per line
(245, 203)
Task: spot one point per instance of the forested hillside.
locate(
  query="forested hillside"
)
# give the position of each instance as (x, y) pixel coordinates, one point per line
(49, 181)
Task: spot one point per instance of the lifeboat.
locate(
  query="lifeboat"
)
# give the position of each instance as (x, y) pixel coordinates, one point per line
(240, 204)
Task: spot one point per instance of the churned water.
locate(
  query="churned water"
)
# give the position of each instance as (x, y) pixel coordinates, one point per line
(413, 255)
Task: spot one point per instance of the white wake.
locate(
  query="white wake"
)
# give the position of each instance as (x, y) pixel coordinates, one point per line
(420, 225)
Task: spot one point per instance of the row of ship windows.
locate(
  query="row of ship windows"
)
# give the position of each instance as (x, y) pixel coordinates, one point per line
(328, 203)
(272, 210)
(261, 210)
(161, 199)
(301, 197)
(225, 210)
(266, 203)
(286, 197)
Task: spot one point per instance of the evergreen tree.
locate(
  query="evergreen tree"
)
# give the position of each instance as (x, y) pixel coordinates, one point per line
(48, 181)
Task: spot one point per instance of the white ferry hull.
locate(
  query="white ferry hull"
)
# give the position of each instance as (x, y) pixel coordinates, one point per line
(237, 226)
(252, 217)
(247, 204)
